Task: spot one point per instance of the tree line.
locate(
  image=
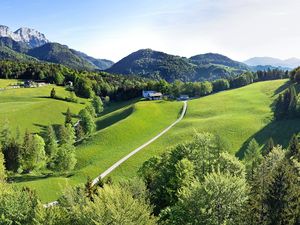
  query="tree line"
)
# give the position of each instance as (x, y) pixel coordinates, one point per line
(287, 105)
(118, 87)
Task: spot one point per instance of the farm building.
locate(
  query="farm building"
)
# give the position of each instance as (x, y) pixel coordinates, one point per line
(152, 95)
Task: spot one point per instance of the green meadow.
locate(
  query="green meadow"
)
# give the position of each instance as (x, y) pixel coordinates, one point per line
(236, 116)
(122, 128)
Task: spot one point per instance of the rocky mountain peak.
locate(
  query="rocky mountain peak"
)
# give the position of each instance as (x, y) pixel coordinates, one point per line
(26, 35)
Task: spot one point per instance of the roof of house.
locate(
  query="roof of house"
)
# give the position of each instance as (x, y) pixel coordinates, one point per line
(156, 94)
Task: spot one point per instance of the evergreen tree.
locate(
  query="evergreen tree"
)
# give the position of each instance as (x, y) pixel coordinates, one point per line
(5, 133)
(2, 167)
(279, 108)
(268, 147)
(68, 119)
(252, 158)
(294, 148)
(97, 104)
(67, 134)
(282, 197)
(79, 132)
(11, 151)
(293, 102)
(51, 146)
(53, 93)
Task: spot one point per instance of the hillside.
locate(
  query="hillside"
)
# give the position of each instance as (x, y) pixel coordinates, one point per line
(154, 64)
(31, 108)
(61, 54)
(101, 64)
(9, 54)
(217, 59)
(224, 114)
(118, 133)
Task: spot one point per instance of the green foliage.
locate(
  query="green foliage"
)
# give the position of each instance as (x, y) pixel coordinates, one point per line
(67, 134)
(282, 197)
(32, 155)
(252, 158)
(286, 104)
(66, 158)
(97, 104)
(11, 151)
(167, 175)
(87, 122)
(220, 85)
(17, 206)
(268, 147)
(2, 168)
(68, 119)
(220, 199)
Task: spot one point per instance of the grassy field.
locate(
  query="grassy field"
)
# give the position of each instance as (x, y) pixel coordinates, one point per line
(236, 116)
(119, 132)
(32, 109)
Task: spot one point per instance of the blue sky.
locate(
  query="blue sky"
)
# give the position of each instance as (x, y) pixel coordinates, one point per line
(113, 29)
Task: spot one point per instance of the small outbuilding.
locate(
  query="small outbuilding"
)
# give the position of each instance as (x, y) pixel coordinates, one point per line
(152, 95)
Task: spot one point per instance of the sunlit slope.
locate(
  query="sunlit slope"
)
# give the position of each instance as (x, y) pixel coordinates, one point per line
(236, 116)
(31, 108)
(123, 131)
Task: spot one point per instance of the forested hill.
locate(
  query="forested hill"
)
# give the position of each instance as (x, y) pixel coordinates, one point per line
(154, 64)
(61, 54)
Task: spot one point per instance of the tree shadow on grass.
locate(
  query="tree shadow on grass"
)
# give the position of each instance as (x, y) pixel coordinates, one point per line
(282, 88)
(280, 131)
(43, 129)
(115, 118)
(29, 177)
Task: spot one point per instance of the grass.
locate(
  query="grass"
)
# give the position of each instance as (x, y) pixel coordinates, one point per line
(119, 132)
(32, 109)
(236, 116)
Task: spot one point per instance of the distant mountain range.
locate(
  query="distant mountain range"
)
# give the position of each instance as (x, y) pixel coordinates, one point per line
(155, 64)
(274, 62)
(27, 44)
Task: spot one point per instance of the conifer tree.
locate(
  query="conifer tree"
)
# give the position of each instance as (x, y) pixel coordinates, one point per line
(2, 167)
(252, 158)
(293, 102)
(294, 148)
(68, 119)
(268, 147)
(11, 151)
(51, 145)
(282, 197)
(53, 93)
(79, 132)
